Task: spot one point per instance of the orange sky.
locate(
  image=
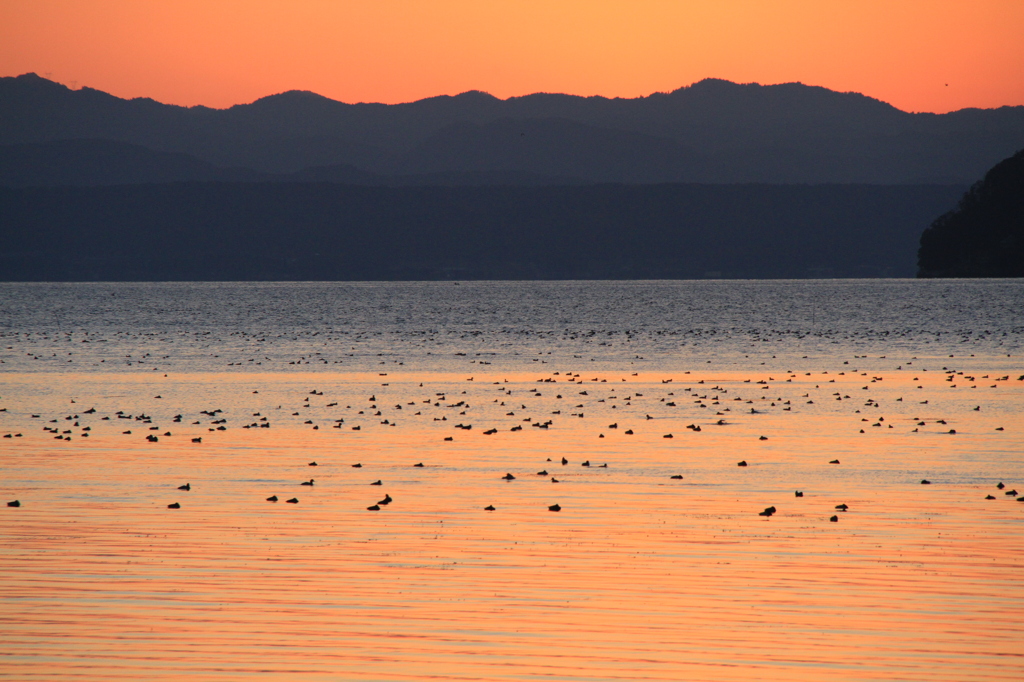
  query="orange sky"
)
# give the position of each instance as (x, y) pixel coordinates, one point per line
(224, 52)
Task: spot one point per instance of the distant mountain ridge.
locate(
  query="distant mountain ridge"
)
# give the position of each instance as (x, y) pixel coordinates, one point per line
(713, 131)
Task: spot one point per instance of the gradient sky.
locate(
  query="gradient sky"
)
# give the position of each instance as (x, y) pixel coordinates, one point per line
(919, 55)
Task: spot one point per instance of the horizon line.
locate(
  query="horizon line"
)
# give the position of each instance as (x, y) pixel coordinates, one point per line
(77, 88)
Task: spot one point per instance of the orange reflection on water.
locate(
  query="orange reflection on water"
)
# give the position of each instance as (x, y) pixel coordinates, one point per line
(639, 576)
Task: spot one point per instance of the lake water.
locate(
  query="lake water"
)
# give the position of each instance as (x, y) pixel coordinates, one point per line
(852, 392)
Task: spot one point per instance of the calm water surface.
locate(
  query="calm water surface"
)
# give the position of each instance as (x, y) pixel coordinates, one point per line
(639, 576)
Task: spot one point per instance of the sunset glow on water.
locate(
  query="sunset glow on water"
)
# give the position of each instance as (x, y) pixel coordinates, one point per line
(639, 576)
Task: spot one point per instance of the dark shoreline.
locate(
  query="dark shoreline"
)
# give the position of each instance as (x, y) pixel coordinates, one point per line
(331, 232)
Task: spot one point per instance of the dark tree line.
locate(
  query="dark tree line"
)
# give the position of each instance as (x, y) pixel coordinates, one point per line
(984, 235)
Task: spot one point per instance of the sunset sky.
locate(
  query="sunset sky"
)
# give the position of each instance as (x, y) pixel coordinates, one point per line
(919, 55)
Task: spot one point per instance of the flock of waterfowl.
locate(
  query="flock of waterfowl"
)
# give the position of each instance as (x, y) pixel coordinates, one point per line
(721, 397)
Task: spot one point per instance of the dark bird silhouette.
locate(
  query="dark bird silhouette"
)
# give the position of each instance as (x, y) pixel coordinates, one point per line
(373, 507)
(187, 486)
(677, 477)
(387, 500)
(741, 463)
(990, 497)
(272, 498)
(925, 481)
(834, 461)
(489, 507)
(555, 507)
(419, 464)
(174, 505)
(1000, 485)
(554, 480)
(377, 482)
(564, 461)
(763, 438)
(357, 466)
(313, 464)
(842, 507)
(294, 500)
(767, 512)
(309, 482)
(508, 477)
(14, 503)
(799, 494)
(834, 519)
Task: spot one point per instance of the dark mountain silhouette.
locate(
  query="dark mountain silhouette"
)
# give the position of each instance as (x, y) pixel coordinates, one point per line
(108, 162)
(984, 235)
(326, 231)
(105, 162)
(712, 131)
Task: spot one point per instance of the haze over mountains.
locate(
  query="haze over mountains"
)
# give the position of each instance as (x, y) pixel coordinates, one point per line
(711, 132)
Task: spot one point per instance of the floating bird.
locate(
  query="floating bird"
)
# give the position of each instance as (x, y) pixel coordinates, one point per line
(767, 512)
(834, 519)
(741, 463)
(377, 482)
(554, 480)
(14, 503)
(677, 477)
(842, 507)
(990, 497)
(309, 482)
(799, 494)
(373, 507)
(294, 500)
(197, 440)
(925, 481)
(174, 505)
(357, 466)
(834, 461)
(564, 461)
(387, 500)
(489, 507)
(555, 507)
(272, 498)
(420, 464)
(1000, 485)
(187, 486)
(763, 438)
(508, 477)
(313, 464)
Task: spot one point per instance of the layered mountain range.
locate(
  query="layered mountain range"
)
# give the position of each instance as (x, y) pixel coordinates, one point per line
(713, 131)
